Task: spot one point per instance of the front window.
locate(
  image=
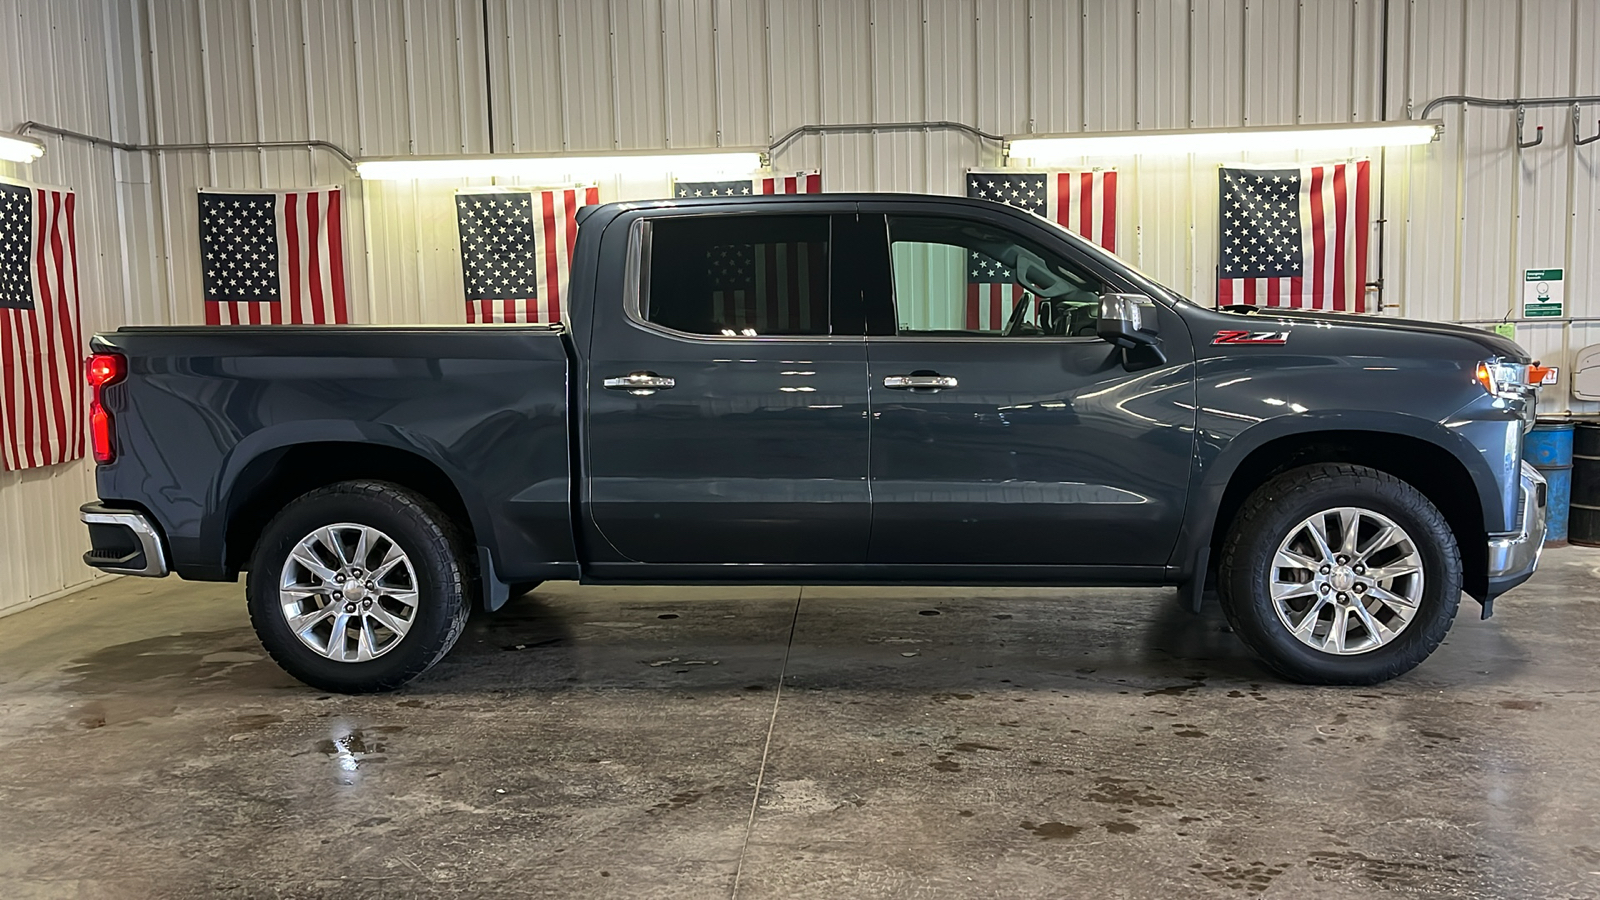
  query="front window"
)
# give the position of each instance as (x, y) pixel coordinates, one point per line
(957, 277)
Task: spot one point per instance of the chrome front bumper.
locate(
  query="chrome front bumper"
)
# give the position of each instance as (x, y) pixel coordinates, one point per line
(123, 542)
(1513, 557)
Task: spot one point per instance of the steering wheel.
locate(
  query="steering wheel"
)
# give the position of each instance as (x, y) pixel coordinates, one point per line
(1014, 324)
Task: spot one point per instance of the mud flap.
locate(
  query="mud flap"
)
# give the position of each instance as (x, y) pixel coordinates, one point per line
(495, 591)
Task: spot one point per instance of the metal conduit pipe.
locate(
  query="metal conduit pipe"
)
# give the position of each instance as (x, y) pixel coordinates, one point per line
(857, 128)
(42, 128)
(1509, 103)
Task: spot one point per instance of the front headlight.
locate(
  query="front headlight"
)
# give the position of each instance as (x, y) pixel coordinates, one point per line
(1506, 380)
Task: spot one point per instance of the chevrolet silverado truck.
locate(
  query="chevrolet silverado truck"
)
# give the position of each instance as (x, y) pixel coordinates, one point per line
(844, 389)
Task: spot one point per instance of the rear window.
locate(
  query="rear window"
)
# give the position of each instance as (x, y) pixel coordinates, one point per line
(739, 276)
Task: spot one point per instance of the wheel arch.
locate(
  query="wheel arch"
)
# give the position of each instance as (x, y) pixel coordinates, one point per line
(256, 485)
(1426, 461)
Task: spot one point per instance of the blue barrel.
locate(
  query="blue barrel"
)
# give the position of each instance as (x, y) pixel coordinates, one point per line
(1548, 448)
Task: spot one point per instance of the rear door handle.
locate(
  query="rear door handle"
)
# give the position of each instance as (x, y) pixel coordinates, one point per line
(640, 384)
(919, 382)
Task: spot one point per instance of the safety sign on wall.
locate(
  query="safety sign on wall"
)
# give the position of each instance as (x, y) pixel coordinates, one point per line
(1543, 294)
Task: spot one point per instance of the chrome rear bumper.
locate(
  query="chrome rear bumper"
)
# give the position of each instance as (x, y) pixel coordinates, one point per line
(123, 542)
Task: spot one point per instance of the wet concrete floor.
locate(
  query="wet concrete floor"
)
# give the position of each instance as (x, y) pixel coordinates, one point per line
(634, 742)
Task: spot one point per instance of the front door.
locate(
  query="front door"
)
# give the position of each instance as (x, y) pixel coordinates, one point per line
(1003, 431)
(727, 418)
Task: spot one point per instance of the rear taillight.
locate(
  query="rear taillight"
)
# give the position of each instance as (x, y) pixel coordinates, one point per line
(104, 370)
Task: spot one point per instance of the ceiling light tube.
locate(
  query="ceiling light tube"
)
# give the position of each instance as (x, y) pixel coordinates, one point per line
(1045, 149)
(551, 168)
(20, 148)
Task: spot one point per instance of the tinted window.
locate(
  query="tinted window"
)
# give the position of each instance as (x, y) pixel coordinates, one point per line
(964, 278)
(739, 275)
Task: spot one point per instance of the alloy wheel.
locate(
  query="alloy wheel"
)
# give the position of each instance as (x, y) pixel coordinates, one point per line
(1346, 580)
(348, 592)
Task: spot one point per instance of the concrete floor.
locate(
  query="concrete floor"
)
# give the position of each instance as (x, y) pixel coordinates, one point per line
(633, 742)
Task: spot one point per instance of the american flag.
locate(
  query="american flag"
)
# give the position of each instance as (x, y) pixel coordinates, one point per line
(516, 251)
(769, 288)
(798, 183)
(41, 345)
(1295, 237)
(273, 258)
(1082, 202)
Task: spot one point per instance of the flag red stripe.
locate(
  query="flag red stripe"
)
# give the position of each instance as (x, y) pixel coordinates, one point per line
(1273, 298)
(1086, 205)
(1319, 238)
(61, 351)
(1108, 210)
(1340, 299)
(772, 287)
(75, 334)
(335, 229)
(319, 313)
(1362, 235)
(973, 322)
(292, 235)
(552, 268)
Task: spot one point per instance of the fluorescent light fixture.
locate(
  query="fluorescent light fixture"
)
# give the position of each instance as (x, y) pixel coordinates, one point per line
(1054, 148)
(20, 148)
(554, 169)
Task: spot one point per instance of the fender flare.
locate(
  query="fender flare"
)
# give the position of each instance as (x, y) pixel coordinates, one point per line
(226, 496)
(1212, 477)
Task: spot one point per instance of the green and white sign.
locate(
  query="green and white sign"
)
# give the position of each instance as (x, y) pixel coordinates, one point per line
(1543, 293)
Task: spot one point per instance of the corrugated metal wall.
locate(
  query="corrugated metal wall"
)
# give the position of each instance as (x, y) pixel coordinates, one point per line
(389, 77)
(55, 65)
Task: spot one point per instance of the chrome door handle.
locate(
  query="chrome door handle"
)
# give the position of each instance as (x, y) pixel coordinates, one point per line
(640, 384)
(919, 382)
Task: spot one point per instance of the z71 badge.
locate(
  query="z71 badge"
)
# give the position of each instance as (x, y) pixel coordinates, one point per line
(1251, 337)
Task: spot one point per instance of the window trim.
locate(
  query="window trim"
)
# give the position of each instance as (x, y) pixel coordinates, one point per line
(636, 276)
(894, 301)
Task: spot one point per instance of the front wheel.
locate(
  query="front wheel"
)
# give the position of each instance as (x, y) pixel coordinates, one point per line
(1340, 574)
(358, 587)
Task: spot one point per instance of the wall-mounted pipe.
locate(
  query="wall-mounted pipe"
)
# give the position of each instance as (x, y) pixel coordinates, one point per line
(942, 125)
(1511, 103)
(41, 128)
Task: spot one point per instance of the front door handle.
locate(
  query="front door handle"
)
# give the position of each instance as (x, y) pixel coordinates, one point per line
(640, 384)
(919, 382)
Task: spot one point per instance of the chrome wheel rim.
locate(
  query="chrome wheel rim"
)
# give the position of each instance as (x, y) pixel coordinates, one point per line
(348, 592)
(1346, 580)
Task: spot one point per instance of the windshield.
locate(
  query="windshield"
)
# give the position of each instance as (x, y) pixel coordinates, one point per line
(1080, 241)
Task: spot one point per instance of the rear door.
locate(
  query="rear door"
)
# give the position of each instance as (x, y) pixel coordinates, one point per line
(727, 394)
(1004, 432)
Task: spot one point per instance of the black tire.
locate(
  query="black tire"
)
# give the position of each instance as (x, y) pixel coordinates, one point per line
(420, 529)
(1266, 519)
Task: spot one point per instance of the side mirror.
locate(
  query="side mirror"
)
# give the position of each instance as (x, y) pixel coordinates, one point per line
(1129, 321)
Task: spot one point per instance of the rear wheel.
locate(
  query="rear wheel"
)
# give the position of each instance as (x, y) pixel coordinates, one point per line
(357, 587)
(1340, 574)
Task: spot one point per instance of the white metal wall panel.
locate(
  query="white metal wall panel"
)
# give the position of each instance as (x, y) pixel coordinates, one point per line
(686, 44)
(1056, 60)
(54, 62)
(1216, 69)
(741, 47)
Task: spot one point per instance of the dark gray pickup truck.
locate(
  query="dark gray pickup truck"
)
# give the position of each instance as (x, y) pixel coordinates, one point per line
(862, 389)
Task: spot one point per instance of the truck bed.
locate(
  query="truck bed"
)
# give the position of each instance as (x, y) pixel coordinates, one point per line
(229, 421)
